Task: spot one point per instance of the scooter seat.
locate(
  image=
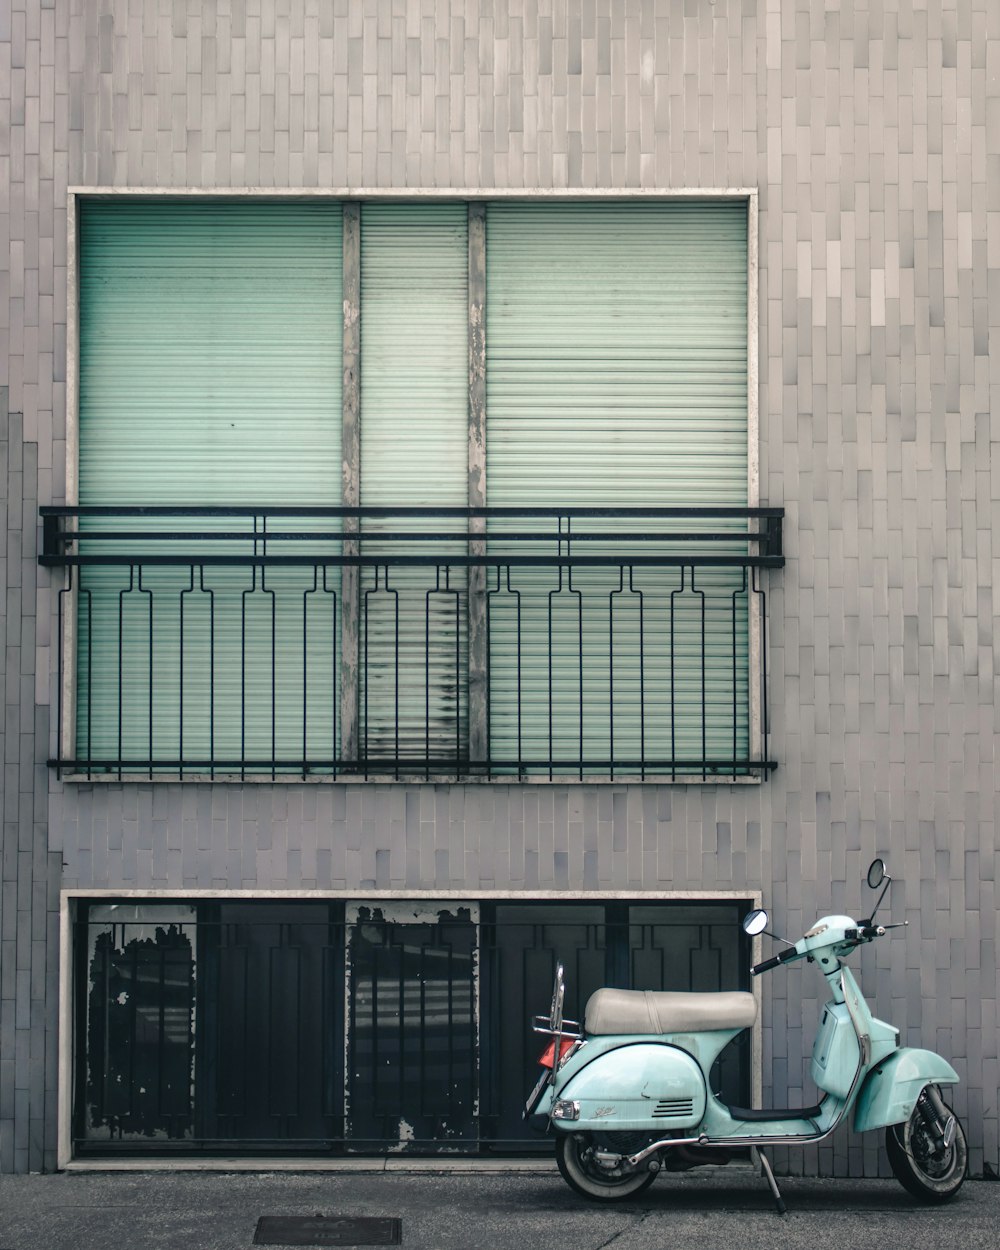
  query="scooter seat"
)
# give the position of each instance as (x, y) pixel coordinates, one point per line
(645, 1012)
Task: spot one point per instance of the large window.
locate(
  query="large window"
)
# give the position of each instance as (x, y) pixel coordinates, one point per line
(324, 1026)
(442, 488)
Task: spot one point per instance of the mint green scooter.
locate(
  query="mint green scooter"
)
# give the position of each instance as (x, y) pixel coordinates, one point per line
(628, 1094)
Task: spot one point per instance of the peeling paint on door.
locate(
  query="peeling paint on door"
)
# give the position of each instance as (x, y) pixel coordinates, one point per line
(412, 1038)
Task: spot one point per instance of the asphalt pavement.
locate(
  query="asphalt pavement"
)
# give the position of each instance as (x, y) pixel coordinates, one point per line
(728, 1209)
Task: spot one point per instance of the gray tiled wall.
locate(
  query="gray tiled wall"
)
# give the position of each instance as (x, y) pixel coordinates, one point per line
(872, 129)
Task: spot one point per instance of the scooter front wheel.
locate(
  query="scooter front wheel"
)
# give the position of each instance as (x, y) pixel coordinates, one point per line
(919, 1164)
(581, 1171)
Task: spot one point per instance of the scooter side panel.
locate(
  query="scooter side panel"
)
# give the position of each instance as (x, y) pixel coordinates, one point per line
(835, 1052)
(891, 1089)
(645, 1085)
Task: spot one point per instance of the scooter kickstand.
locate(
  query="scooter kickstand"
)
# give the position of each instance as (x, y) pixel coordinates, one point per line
(779, 1202)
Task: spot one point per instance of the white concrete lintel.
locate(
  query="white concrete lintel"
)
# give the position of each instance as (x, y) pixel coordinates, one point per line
(416, 193)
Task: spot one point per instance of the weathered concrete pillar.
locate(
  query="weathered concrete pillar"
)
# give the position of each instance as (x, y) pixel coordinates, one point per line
(350, 480)
(478, 643)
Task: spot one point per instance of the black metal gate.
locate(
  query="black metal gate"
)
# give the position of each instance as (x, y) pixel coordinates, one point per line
(315, 1027)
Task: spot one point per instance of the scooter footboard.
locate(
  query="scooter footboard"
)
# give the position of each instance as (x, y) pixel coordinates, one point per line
(892, 1087)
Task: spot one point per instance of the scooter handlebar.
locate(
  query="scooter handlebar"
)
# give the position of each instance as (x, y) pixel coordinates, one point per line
(768, 964)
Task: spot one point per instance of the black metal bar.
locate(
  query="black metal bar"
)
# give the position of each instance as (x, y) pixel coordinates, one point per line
(427, 668)
(211, 668)
(61, 663)
(395, 681)
(335, 677)
(230, 560)
(409, 766)
(121, 661)
(90, 670)
(305, 666)
(642, 670)
(742, 591)
(368, 511)
(673, 677)
(151, 669)
(410, 536)
(704, 692)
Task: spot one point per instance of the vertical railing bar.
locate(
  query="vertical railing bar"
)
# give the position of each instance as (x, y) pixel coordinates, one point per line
(458, 667)
(427, 676)
(763, 661)
(611, 671)
(364, 675)
(334, 652)
(243, 660)
(559, 545)
(642, 673)
(180, 678)
(579, 652)
(395, 594)
(211, 670)
(740, 591)
(90, 676)
(274, 651)
(704, 702)
(488, 666)
(121, 658)
(60, 644)
(550, 676)
(520, 702)
(305, 667)
(673, 679)
(150, 704)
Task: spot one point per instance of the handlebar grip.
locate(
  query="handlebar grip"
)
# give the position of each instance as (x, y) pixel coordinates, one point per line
(768, 964)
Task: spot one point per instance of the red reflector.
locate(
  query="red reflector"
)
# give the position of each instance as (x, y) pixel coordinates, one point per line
(548, 1054)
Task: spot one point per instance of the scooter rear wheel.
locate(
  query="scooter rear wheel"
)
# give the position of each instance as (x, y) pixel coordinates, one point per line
(925, 1171)
(574, 1154)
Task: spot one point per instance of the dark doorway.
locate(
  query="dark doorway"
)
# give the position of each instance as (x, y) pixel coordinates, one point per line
(271, 1056)
(412, 1027)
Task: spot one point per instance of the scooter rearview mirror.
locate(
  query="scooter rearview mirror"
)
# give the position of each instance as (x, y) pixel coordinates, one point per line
(755, 922)
(877, 876)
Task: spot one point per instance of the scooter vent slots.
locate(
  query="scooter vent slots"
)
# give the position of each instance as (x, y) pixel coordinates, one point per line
(671, 1107)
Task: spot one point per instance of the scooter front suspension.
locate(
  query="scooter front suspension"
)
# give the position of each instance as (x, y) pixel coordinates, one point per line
(936, 1116)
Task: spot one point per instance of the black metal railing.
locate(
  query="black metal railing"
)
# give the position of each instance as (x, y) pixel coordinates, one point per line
(413, 642)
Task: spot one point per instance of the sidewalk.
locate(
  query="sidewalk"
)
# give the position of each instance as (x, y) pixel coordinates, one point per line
(508, 1210)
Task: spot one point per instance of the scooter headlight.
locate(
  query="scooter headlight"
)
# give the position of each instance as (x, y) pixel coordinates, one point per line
(565, 1109)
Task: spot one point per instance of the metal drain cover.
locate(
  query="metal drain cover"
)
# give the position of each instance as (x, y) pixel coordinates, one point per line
(328, 1230)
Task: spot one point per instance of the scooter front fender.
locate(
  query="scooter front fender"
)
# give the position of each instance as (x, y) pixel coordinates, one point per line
(892, 1087)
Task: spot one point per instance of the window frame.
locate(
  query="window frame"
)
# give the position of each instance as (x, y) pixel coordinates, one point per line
(352, 199)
